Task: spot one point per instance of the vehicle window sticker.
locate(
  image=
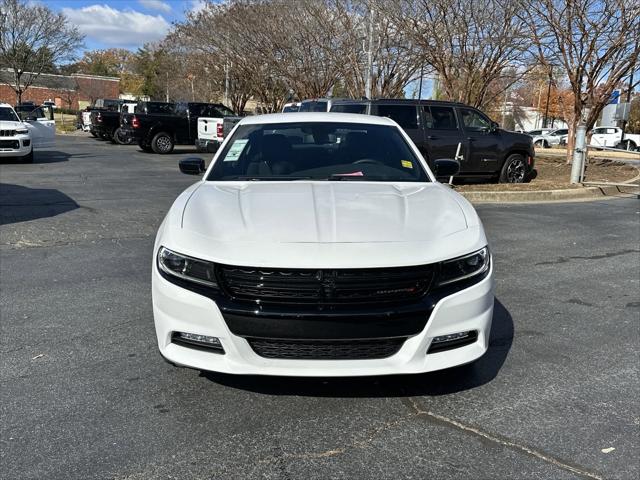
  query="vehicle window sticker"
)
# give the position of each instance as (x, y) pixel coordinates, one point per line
(235, 151)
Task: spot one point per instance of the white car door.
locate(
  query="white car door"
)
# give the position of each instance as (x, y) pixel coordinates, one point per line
(42, 129)
(598, 138)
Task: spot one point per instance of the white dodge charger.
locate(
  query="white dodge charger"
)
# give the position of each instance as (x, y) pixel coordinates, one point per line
(321, 244)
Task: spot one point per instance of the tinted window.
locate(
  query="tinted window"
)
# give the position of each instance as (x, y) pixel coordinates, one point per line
(474, 121)
(440, 118)
(320, 106)
(405, 115)
(7, 114)
(600, 130)
(349, 108)
(318, 151)
(562, 131)
(290, 108)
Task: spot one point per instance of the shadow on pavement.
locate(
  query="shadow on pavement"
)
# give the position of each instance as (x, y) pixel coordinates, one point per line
(443, 382)
(21, 204)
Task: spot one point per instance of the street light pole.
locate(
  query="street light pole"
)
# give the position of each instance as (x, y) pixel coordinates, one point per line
(546, 108)
(367, 91)
(624, 120)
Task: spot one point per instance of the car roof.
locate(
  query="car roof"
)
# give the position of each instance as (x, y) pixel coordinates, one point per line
(5, 105)
(312, 117)
(406, 101)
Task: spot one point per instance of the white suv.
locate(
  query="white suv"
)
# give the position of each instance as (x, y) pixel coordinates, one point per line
(18, 138)
(321, 244)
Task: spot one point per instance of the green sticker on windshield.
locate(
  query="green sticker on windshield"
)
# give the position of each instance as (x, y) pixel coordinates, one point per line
(235, 151)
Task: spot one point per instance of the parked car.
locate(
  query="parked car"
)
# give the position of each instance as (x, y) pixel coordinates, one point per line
(442, 129)
(612, 137)
(161, 132)
(321, 245)
(291, 107)
(547, 138)
(213, 130)
(19, 137)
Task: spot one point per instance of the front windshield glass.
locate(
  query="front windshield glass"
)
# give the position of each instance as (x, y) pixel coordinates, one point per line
(313, 106)
(317, 151)
(8, 115)
(349, 108)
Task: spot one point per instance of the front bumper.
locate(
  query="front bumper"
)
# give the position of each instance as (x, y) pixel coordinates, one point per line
(176, 309)
(16, 146)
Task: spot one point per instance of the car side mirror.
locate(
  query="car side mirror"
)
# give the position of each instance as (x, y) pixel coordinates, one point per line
(192, 166)
(446, 167)
(31, 118)
(494, 126)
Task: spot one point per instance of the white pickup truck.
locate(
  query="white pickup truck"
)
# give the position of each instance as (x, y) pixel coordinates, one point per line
(612, 137)
(212, 130)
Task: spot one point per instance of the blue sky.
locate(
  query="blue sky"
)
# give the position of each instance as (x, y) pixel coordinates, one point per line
(122, 23)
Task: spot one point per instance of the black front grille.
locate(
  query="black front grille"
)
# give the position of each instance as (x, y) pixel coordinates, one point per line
(13, 144)
(7, 133)
(326, 349)
(327, 286)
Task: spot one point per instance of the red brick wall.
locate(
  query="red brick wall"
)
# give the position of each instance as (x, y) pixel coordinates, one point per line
(88, 90)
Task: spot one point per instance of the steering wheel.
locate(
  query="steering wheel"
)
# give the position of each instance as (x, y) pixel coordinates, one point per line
(369, 161)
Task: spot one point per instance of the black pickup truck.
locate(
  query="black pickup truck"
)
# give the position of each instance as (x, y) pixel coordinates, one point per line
(160, 132)
(105, 118)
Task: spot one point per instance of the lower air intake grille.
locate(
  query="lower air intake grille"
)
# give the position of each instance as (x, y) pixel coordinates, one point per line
(13, 144)
(326, 349)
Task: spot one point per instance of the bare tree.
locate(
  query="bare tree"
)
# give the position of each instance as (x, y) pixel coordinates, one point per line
(469, 44)
(395, 61)
(32, 37)
(594, 42)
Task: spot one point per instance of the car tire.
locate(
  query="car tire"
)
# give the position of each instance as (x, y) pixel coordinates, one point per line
(514, 169)
(93, 134)
(28, 158)
(162, 143)
(627, 145)
(539, 143)
(118, 138)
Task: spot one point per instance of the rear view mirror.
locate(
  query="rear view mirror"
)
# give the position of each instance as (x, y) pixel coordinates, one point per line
(192, 166)
(446, 167)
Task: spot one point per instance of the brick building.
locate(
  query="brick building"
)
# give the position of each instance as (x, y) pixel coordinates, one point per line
(73, 91)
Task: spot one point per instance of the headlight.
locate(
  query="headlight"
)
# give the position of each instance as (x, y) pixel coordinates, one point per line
(186, 268)
(22, 131)
(464, 267)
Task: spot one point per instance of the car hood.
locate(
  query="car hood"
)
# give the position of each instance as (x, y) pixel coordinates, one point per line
(322, 212)
(7, 125)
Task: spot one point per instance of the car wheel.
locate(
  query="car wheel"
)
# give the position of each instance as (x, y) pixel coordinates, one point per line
(514, 169)
(539, 143)
(162, 143)
(93, 134)
(118, 138)
(28, 158)
(626, 145)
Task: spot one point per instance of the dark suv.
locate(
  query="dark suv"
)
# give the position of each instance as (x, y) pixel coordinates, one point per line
(437, 128)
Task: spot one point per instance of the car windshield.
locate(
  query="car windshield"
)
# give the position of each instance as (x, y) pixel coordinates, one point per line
(317, 151)
(313, 106)
(7, 114)
(349, 108)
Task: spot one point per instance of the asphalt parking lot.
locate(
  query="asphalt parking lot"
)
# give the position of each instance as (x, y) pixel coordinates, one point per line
(84, 393)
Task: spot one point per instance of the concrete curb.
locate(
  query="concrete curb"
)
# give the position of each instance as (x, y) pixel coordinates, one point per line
(560, 195)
